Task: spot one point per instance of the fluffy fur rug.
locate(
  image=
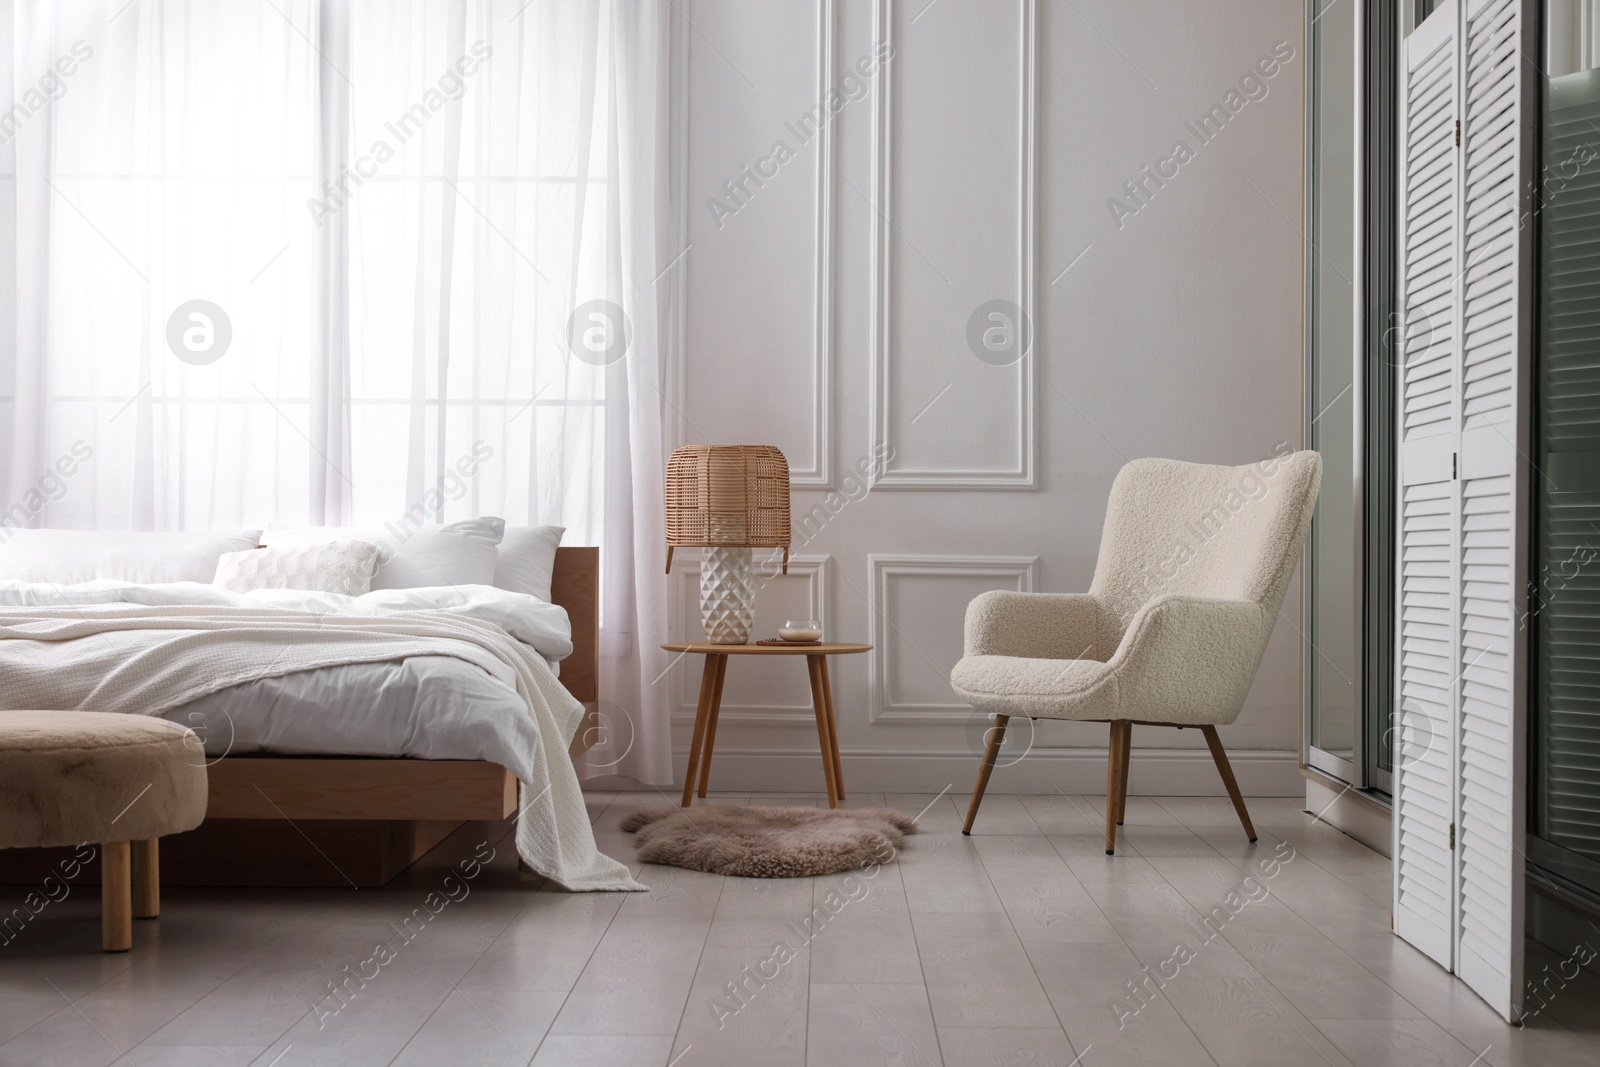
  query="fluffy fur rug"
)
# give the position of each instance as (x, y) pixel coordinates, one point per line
(769, 842)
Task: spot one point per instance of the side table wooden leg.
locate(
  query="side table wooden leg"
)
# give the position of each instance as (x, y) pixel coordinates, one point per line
(824, 740)
(711, 722)
(833, 728)
(708, 681)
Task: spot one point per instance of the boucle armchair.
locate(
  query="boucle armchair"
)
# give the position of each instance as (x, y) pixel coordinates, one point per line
(1194, 562)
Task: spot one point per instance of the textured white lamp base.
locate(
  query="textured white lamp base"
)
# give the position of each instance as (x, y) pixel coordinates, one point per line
(727, 595)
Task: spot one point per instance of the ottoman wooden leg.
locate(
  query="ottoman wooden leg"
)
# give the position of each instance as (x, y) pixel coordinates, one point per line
(116, 897)
(146, 880)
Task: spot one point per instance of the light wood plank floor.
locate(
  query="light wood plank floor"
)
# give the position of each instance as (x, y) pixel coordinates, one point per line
(1023, 944)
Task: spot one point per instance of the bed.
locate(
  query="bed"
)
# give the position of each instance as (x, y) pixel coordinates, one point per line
(313, 819)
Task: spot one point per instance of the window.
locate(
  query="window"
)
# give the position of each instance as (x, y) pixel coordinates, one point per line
(1350, 280)
(315, 261)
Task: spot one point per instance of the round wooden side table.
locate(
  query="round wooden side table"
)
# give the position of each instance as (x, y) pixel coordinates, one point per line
(705, 716)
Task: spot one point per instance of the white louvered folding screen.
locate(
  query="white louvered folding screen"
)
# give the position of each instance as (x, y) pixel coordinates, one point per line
(1491, 756)
(1424, 785)
(1459, 772)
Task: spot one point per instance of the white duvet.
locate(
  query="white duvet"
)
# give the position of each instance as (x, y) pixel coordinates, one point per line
(434, 673)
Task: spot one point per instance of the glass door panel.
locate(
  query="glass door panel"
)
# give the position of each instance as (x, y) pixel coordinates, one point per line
(1332, 555)
(1564, 601)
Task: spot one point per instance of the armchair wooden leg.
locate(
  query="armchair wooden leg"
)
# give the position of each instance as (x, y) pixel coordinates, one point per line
(116, 897)
(991, 753)
(1117, 780)
(146, 880)
(1224, 769)
(1122, 793)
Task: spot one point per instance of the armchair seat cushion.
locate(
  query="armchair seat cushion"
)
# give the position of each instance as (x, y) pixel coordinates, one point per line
(1185, 660)
(1043, 688)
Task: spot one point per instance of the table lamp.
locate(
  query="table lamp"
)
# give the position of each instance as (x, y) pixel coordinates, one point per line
(727, 499)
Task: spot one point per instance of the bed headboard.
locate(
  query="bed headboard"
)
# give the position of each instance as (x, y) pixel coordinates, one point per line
(576, 587)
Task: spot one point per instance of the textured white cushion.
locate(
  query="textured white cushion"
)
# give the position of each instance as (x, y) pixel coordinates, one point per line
(528, 559)
(343, 567)
(67, 557)
(457, 553)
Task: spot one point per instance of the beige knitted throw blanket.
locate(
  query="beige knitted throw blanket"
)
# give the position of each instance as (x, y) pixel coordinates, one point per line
(141, 659)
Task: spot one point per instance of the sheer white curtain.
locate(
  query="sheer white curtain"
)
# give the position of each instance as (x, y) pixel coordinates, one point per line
(324, 260)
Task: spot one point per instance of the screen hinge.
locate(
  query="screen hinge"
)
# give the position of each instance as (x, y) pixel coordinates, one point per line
(1458, 133)
(1452, 837)
(1455, 465)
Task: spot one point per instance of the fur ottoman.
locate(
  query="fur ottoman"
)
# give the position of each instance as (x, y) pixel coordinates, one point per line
(77, 777)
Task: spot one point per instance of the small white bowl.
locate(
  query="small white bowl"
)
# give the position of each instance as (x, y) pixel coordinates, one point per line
(801, 630)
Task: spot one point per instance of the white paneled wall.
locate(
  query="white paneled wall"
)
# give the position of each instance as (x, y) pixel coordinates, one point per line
(979, 154)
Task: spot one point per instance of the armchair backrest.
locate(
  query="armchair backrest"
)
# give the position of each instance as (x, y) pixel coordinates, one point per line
(1203, 530)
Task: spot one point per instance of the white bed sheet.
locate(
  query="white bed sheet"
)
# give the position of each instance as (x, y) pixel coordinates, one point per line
(447, 671)
(429, 707)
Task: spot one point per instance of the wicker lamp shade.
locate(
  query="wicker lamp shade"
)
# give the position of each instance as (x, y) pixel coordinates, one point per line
(728, 496)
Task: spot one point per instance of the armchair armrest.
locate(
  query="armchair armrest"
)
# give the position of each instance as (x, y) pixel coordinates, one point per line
(1034, 625)
(1192, 658)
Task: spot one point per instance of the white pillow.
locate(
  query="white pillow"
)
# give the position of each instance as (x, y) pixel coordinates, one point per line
(528, 559)
(457, 553)
(343, 567)
(67, 557)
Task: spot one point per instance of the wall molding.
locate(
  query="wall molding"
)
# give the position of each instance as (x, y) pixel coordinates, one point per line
(819, 473)
(685, 693)
(1025, 475)
(1023, 571)
(1182, 772)
(1350, 812)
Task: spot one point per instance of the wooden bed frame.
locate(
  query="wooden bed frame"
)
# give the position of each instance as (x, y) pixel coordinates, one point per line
(353, 820)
